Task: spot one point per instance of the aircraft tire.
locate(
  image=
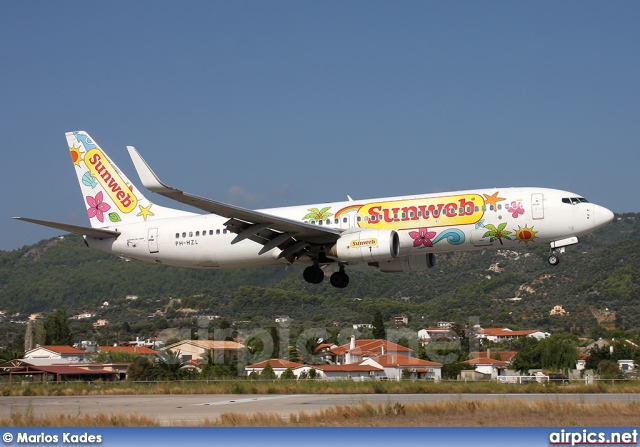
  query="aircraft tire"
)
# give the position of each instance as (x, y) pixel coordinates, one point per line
(339, 280)
(554, 260)
(313, 275)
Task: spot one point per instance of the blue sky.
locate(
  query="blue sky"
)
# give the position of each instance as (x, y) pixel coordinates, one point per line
(290, 102)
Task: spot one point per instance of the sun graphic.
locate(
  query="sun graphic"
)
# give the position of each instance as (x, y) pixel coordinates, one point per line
(76, 155)
(525, 234)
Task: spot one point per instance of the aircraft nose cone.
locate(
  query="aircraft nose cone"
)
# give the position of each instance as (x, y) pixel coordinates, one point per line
(601, 216)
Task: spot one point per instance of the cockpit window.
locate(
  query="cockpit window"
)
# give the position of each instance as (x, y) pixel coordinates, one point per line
(574, 200)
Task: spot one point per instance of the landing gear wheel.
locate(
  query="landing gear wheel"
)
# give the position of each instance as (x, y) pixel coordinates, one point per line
(554, 260)
(313, 274)
(339, 279)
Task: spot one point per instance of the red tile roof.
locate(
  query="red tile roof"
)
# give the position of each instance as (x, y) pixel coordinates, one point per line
(504, 332)
(399, 360)
(275, 363)
(506, 356)
(60, 349)
(486, 361)
(346, 368)
(370, 347)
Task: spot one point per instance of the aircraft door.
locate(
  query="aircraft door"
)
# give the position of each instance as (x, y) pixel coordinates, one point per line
(537, 206)
(152, 238)
(346, 220)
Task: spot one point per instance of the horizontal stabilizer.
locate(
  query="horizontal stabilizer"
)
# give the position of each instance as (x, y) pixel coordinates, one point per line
(98, 233)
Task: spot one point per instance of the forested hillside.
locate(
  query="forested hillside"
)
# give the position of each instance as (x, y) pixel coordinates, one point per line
(596, 282)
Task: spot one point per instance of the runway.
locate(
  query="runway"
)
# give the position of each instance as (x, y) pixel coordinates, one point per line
(176, 410)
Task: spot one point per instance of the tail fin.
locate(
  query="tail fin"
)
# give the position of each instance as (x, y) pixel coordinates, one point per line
(110, 198)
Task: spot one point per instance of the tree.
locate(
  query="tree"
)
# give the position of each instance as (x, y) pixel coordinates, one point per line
(528, 357)
(57, 330)
(268, 372)
(140, 369)
(288, 375)
(558, 352)
(608, 369)
(169, 365)
(379, 331)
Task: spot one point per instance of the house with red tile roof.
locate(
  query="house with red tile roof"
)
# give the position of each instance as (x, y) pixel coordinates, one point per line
(394, 365)
(488, 367)
(497, 335)
(279, 366)
(358, 350)
(506, 356)
(352, 371)
(192, 350)
(55, 352)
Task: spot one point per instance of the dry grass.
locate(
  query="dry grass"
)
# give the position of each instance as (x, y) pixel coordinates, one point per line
(440, 414)
(308, 387)
(28, 419)
(448, 414)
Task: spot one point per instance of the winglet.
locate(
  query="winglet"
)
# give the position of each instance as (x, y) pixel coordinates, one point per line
(149, 179)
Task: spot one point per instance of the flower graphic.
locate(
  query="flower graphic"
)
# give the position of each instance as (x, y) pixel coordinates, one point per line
(97, 207)
(516, 209)
(422, 237)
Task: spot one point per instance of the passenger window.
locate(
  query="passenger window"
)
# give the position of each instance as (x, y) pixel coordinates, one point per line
(328, 221)
(224, 231)
(177, 235)
(344, 220)
(320, 222)
(359, 218)
(190, 233)
(217, 231)
(184, 234)
(197, 233)
(337, 221)
(210, 232)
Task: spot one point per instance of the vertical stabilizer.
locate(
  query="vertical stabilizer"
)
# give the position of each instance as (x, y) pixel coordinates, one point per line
(109, 197)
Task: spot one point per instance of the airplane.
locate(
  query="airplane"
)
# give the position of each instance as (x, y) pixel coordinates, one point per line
(392, 234)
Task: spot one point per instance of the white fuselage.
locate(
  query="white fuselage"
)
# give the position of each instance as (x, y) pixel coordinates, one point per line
(429, 223)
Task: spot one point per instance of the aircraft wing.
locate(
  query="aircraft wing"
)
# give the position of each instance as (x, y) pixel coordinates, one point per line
(293, 237)
(98, 233)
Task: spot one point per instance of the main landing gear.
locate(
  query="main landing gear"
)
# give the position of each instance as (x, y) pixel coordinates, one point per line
(315, 275)
(339, 279)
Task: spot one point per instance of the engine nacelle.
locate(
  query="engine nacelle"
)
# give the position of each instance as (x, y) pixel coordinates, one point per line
(409, 263)
(366, 246)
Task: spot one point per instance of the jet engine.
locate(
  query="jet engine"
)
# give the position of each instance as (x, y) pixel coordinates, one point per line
(409, 263)
(366, 246)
